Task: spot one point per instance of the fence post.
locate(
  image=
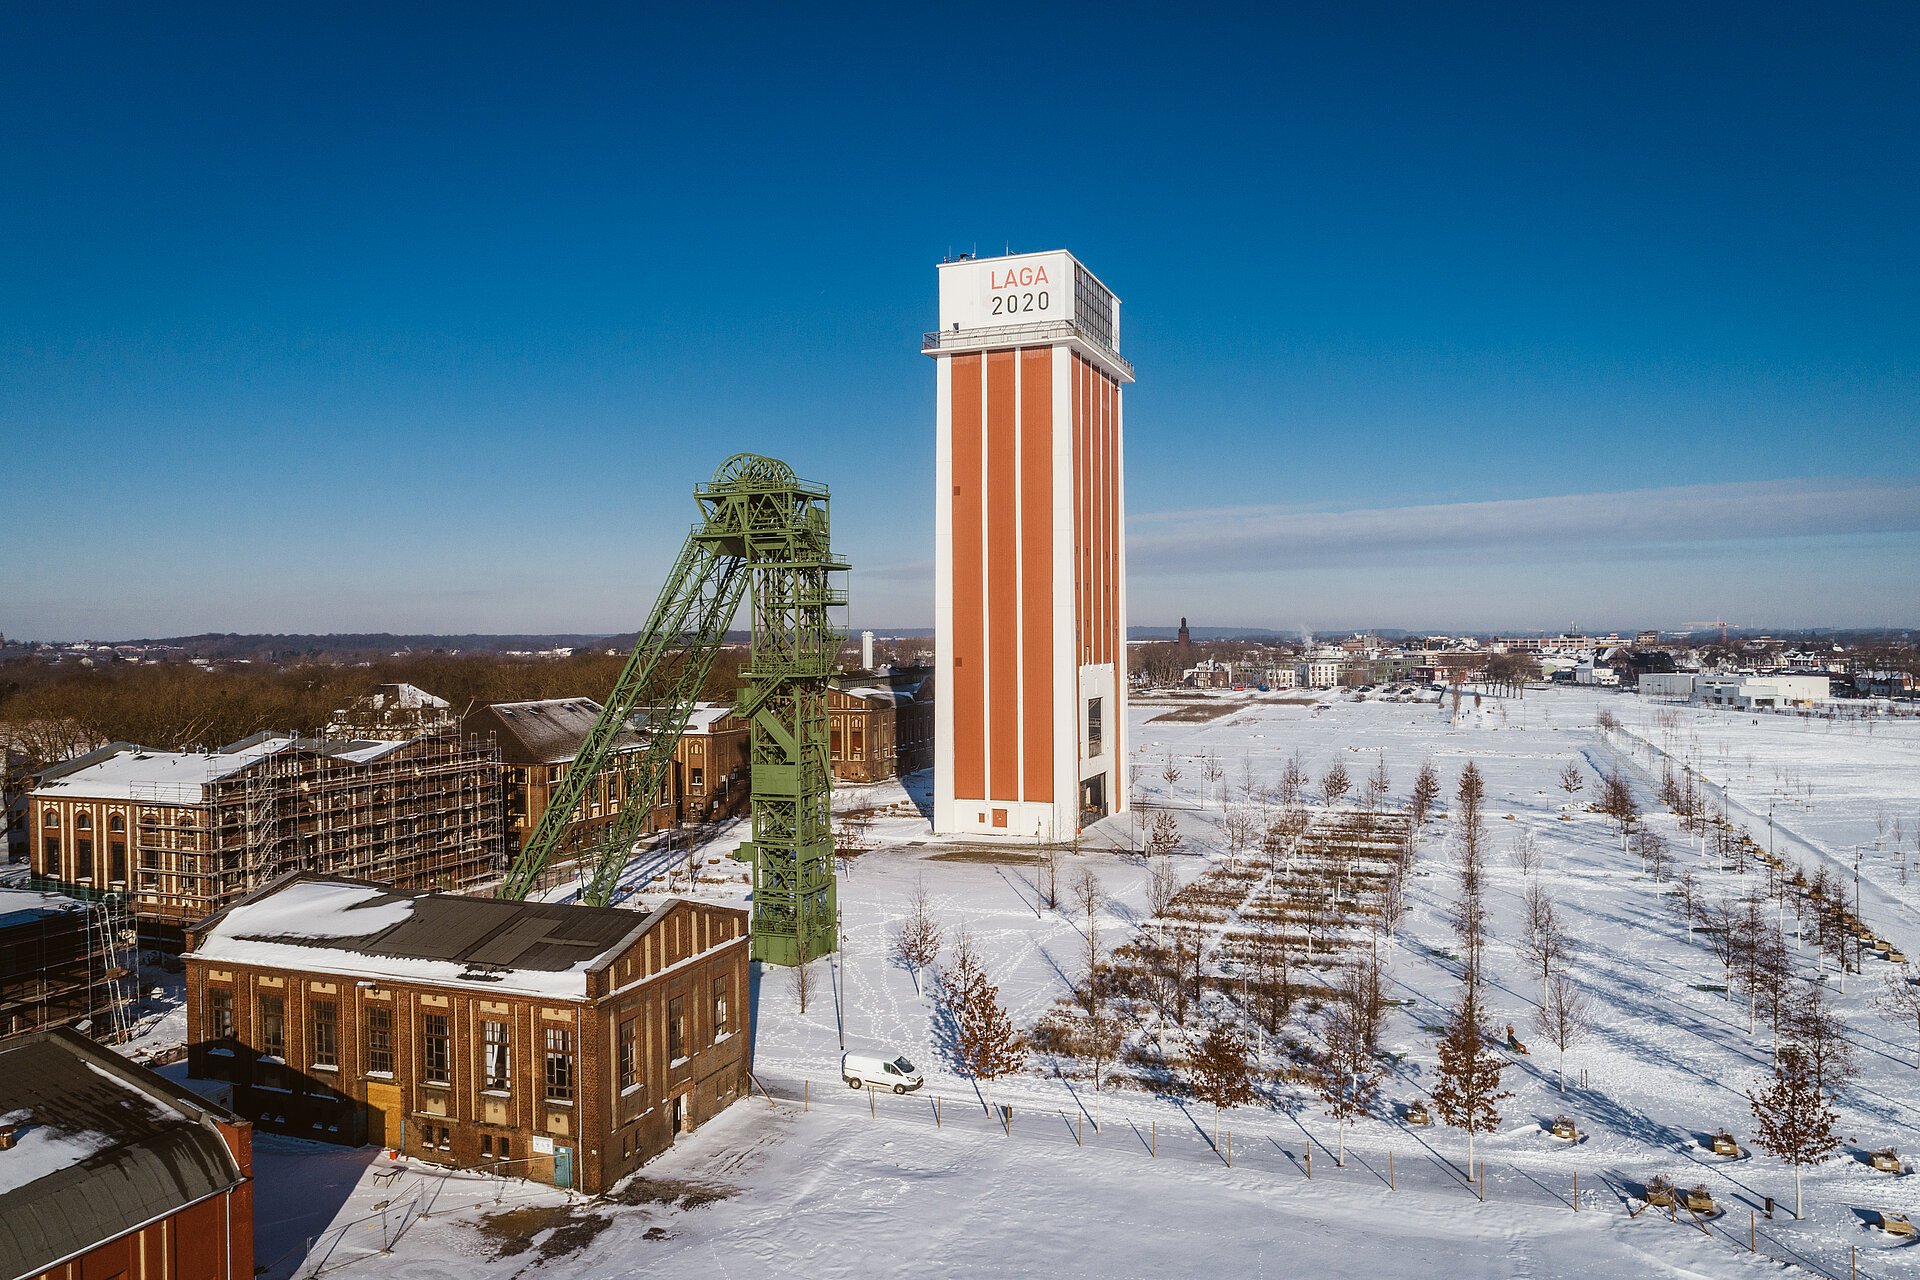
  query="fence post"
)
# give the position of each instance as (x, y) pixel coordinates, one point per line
(1576, 1191)
(1229, 1148)
(1753, 1232)
(871, 1113)
(806, 1095)
(1389, 1168)
(1309, 1160)
(1483, 1182)
(936, 1111)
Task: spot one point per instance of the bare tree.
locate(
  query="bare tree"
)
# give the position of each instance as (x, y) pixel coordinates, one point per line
(1900, 1002)
(1467, 1092)
(1426, 791)
(1242, 824)
(1170, 770)
(1089, 896)
(1162, 884)
(1334, 783)
(1377, 785)
(1564, 1018)
(1813, 1025)
(1098, 1045)
(1572, 781)
(1544, 940)
(1249, 785)
(1163, 835)
(916, 943)
(1220, 1072)
(1525, 851)
(1792, 1118)
(1720, 923)
(1046, 856)
(1350, 1073)
(1212, 770)
(1293, 779)
(1654, 854)
(800, 981)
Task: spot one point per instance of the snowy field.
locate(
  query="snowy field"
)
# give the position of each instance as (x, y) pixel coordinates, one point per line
(853, 1185)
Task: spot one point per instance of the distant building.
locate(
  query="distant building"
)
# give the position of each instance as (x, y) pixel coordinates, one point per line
(1748, 693)
(109, 1170)
(878, 731)
(564, 1044)
(392, 713)
(1185, 639)
(1667, 684)
(1320, 670)
(539, 741)
(178, 835)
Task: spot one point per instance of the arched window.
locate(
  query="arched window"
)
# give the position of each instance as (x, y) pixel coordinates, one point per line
(50, 818)
(83, 821)
(116, 823)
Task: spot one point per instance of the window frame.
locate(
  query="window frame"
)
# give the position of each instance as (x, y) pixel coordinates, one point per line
(436, 1049)
(323, 1016)
(377, 1038)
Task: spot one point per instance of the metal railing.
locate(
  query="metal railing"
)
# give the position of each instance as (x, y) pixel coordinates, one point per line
(1017, 334)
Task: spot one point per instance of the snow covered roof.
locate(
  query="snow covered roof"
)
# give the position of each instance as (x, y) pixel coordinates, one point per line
(706, 715)
(125, 769)
(548, 731)
(102, 1146)
(19, 906)
(128, 772)
(361, 930)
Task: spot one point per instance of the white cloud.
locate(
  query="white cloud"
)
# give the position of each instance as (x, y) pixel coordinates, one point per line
(1269, 537)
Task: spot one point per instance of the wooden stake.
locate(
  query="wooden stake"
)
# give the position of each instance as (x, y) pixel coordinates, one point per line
(1483, 1182)
(1309, 1164)
(1229, 1148)
(1389, 1169)
(806, 1095)
(870, 1111)
(1078, 1123)
(1153, 1139)
(1753, 1233)
(1576, 1191)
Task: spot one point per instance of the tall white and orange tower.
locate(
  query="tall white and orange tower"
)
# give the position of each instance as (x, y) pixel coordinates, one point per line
(1030, 563)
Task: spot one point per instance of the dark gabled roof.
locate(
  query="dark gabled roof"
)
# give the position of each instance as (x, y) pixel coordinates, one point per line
(545, 732)
(105, 1146)
(481, 933)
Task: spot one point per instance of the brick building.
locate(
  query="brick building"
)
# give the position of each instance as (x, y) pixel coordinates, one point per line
(878, 731)
(560, 1043)
(63, 963)
(178, 835)
(538, 743)
(109, 1170)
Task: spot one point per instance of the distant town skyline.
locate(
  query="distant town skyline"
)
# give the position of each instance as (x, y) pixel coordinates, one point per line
(428, 321)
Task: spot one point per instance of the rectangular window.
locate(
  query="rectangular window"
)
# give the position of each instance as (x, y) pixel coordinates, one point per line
(857, 741)
(222, 1003)
(559, 1064)
(436, 1049)
(379, 1034)
(720, 1005)
(50, 848)
(629, 1053)
(326, 1033)
(83, 858)
(273, 1026)
(696, 779)
(833, 745)
(496, 1067)
(676, 1028)
(117, 860)
(1095, 727)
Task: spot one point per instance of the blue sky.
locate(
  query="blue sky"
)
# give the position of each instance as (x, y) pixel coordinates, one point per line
(1445, 316)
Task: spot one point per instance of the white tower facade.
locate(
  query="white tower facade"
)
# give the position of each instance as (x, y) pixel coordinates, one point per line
(1030, 564)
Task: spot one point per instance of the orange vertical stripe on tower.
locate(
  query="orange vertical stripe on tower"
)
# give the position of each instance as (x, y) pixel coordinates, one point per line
(1036, 572)
(1114, 533)
(1003, 583)
(969, 637)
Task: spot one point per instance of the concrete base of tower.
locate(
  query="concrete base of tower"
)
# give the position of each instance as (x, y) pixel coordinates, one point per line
(1025, 820)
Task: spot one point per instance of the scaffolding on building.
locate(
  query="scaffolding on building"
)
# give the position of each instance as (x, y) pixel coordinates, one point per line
(66, 962)
(422, 814)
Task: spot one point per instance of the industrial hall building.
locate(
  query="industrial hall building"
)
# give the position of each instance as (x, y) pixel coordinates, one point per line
(175, 836)
(879, 726)
(538, 743)
(110, 1170)
(564, 1044)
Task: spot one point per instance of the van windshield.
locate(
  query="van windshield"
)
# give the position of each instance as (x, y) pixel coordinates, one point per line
(906, 1068)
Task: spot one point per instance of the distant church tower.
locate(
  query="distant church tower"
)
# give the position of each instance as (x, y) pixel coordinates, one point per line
(1030, 556)
(1185, 639)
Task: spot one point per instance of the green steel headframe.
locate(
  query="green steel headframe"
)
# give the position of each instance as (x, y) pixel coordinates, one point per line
(763, 534)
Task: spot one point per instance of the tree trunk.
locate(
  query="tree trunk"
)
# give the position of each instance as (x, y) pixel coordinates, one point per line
(1563, 1071)
(1796, 1193)
(1341, 1160)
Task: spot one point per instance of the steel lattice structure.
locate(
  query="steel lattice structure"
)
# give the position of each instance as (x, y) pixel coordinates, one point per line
(763, 533)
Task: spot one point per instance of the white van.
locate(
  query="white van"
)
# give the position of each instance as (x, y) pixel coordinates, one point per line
(863, 1070)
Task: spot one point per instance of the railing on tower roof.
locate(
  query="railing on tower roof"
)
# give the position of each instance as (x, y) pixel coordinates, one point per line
(1012, 335)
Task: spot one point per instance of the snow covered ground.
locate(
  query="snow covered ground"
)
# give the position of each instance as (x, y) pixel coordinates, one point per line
(853, 1185)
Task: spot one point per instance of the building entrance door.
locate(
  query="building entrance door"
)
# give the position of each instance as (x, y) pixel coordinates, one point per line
(674, 1112)
(383, 1113)
(1093, 799)
(562, 1167)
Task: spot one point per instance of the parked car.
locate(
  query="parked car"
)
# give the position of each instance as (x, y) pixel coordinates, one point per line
(862, 1070)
